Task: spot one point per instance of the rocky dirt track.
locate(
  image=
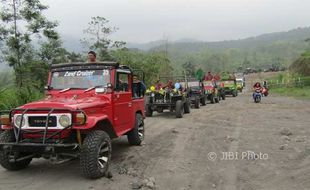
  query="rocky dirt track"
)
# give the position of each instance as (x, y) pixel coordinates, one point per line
(233, 145)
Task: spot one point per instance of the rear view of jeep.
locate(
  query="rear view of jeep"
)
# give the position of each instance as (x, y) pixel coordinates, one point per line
(86, 105)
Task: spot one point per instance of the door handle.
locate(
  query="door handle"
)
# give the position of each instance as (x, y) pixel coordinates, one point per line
(129, 105)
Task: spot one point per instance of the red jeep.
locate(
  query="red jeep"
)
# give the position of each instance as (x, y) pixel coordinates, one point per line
(86, 105)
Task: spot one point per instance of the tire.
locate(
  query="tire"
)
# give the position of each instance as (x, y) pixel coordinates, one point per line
(179, 109)
(217, 99)
(136, 135)
(148, 110)
(96, 154)
(160, 110)
(203, 101)
(197, 103)
(8, 136)
(212, 100)
(234, 94)
(187, 107)
(223, 96)
(257, 99)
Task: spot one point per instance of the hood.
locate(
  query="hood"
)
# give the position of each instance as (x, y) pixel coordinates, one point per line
(69, 102)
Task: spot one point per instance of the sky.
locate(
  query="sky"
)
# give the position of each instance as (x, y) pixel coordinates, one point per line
(141, 21)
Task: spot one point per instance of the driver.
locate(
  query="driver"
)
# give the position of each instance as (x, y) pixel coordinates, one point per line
(257, 85)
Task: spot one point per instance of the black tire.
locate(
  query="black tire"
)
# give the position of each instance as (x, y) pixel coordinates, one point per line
(203, 101)
(257, 99)
(197, 103)
(187, 106)
(234, 94)
(212, 100)
(160, 110)
(179, 109)
(223, 96)
(136, 135)
(148, 110)
(5, 161)
(217, 99)
(96, 154)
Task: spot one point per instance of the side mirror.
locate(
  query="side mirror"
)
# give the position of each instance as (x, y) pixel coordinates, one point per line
(109, 85)
(100, 90)
(48, 87)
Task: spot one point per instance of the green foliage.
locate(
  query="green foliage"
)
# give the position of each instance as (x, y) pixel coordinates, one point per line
(152, 64)
(302, 65)
(11, 98)
(277, 50)
(98, 37)
(303, 93)
(22, 20)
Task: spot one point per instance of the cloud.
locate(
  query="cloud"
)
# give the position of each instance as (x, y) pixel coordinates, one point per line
(209, 20)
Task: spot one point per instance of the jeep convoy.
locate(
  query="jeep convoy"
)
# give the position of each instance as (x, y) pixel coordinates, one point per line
(86, 106)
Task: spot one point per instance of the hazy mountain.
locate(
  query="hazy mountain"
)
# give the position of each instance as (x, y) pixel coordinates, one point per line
(295, 35)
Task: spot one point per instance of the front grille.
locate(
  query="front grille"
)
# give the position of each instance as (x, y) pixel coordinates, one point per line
(39, 121)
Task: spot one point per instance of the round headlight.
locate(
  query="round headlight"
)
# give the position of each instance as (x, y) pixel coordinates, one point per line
(64, 121)
(18, 121)
(152, 94)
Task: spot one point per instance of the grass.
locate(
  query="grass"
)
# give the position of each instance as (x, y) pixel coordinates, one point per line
(290, 88)
(296, 92)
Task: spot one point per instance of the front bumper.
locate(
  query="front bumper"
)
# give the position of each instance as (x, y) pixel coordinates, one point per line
(39, 148)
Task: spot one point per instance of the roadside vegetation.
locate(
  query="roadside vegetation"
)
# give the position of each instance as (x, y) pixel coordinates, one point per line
(29, 43)
(296, 81)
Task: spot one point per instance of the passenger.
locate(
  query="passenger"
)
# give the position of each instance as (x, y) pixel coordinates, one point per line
(139, 87)
(91, 56)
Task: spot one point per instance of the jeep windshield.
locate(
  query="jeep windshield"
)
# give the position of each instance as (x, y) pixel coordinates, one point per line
(193, 84)
(229, 82)
(79, 79)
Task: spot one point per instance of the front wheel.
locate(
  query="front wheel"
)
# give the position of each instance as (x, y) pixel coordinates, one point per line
(217, 99)
(197, 103)
(136, 135)
(187, 106)
(96, 154)
(12, 160)
(203, 101)
(148, 110)
(212, 99)
(179, 110)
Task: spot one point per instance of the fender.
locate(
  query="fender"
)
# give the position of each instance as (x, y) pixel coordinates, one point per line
(91, 122)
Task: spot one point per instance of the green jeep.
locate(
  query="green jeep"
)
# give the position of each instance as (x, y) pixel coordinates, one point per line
(230, 87)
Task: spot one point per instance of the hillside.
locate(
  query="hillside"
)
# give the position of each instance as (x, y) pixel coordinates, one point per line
(262, 52)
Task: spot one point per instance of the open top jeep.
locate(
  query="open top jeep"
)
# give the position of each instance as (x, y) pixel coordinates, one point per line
(196, 93)
(86, 105)
(239, 82)
(211, 91)
(230, 87)
(172, 98)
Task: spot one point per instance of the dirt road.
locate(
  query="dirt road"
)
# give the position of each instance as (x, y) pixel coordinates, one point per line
(233, 145)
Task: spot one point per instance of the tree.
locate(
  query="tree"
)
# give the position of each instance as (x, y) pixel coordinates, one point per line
(98, 37)
(22, 20)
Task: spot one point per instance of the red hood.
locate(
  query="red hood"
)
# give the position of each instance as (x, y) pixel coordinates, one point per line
(69, 102)
(208, 87)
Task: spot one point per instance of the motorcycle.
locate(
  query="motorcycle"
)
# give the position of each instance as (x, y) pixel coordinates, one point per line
(265, 91)
(257, 95)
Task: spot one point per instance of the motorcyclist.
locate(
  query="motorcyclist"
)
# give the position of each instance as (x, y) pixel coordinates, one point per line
(265, 84)
(257, 85)
(265, 88)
